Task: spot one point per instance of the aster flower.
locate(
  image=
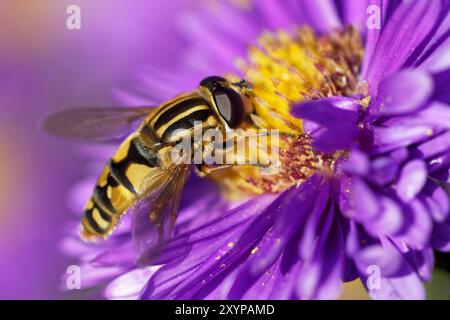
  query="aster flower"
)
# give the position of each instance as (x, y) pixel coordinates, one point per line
(363, 182)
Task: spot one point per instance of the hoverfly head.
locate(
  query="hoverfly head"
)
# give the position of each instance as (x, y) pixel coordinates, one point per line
(227, 99)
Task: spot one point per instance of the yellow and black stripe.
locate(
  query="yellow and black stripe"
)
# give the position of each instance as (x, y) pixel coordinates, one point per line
(142, 154)
(181, 114)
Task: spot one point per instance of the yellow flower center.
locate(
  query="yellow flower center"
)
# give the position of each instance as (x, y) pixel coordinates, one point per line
(285, 69)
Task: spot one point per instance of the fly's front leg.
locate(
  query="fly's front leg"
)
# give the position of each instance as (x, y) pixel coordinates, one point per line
(207, 155)
(239, 147)
(254, 147)
(202, 170)
(243, 86)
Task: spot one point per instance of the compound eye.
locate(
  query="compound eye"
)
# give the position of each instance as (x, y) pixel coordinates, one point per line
(230, 106)
(212, 82)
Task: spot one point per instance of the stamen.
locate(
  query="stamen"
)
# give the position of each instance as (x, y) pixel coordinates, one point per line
(285, 69)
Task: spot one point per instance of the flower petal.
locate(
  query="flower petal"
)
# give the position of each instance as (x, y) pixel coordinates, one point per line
(421, 261)
(305, 202)
(388, 221)
(336, 116)
(403, 92)
(92, 276)
(441, 236)
(408, 287)
(406, 29)
(355, 13)
(327, 111)
(436, 114)
(417, 229)
(316, 279)
(398, 135)
(128, 285)
(384, 256)
(123, 255)
(439, 61)
(412, 180)
(435, 146)
(383, 170)
(208, 253)
(363, 202)
(438, 201)
(322, 15)
(357, 163)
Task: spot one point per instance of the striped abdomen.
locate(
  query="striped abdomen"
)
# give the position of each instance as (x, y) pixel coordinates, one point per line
(142, 154)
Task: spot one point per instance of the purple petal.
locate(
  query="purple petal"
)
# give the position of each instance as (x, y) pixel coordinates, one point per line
(438, 202)
(330, 284)
(437, 115)
(438, 163)
(355, 13)
(220, 52)
(201, 203)
(328, 110)
(76, 248)
(153, 85)
(337, 138)
(336, 117)
(318, 222)
(345, 194)
(431, 55)
(441, 236)
(400, 154)
(403, 92)
(357, 163)
(412, 180)
(384, 256)
(417, 229)
(388, 221)
(92, 276)
(211, 251)
(383, 170)
(408, 287)
(267, 285)
(276, 15)
(421, 261)
(393, 261)
(442, 86)
(293, 213)
(128, 285)
(373, 35)
(364, 204)
(218, 228)
(400, 135)
(284, 287)
(435, 146)
(321, 15)
(121, 256)
(439, 61)
(320, 275)
(406, 29)
(352, 244)
(245, 26)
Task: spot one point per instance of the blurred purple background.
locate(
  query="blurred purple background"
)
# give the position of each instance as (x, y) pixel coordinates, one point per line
(46, 67)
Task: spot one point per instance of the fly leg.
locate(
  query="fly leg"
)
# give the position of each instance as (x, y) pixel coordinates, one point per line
(202, 170)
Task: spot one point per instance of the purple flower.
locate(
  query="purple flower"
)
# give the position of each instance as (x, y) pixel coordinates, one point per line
(363, 188)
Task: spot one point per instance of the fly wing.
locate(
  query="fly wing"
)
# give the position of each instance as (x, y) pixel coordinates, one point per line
(95, 124)
(155, 214)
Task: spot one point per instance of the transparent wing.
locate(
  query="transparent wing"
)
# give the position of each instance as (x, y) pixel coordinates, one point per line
(156, 212)
(95, 124)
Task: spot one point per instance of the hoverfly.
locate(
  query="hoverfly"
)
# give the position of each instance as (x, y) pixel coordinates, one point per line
(140, 174)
